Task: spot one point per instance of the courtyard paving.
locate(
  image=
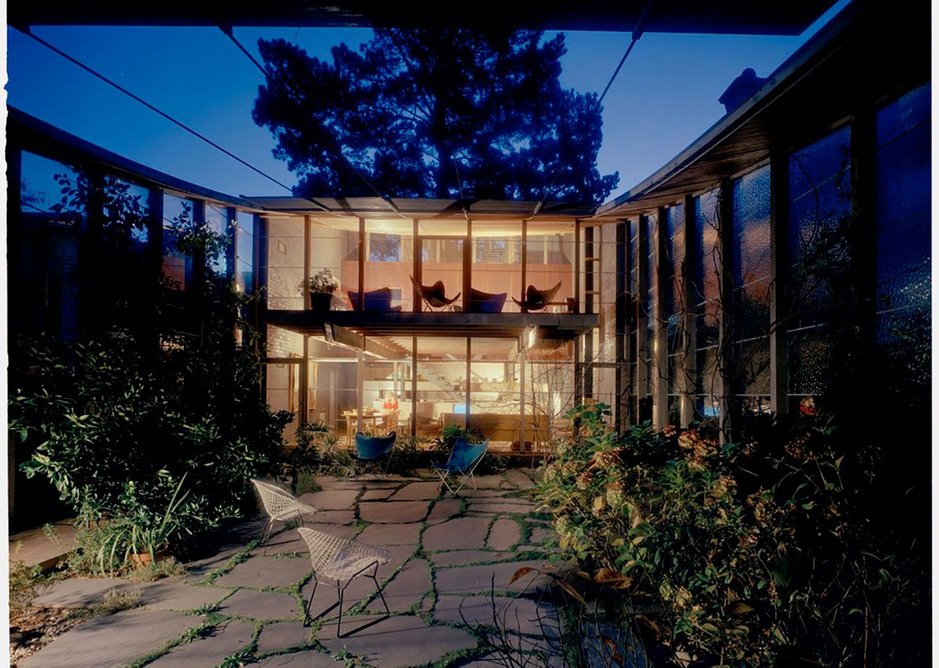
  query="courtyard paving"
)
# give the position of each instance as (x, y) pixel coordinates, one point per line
(449, 586)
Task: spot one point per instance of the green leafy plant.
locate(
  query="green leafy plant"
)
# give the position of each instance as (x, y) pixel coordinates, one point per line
(757, 552)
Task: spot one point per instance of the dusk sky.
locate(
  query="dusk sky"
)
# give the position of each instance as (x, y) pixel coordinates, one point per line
(664, 97)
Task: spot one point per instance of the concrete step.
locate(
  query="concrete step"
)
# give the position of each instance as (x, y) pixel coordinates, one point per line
(34, 546)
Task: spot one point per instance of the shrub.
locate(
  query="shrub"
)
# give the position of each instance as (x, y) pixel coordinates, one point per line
(746, 553)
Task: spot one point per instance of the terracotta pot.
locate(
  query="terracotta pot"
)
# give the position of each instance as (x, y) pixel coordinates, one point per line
(143, 558)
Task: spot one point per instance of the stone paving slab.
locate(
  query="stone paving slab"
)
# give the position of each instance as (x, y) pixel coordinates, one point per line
(483, 493)
(179, 596)
(265, 572)
(456, 534)
(283, 635)
(377, 494)
(482, 578)
(406, 590)
(491, 482)
(308, 659)
(514, 506)
(114, 640)
(282, 542)
(519, 479)
(226, 639)
(396, 642)
(261, 605)
(417, 491)
(504, 534)
(393, 512)
(197, 570)
(81, 592)
(331, 499)
(390, 534)
(466, 557)
(517, 615)
(444, 510)
(329, 483)
(334, 517)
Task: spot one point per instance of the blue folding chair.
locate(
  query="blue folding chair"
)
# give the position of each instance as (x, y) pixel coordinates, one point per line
(459, 468)
(373, 448)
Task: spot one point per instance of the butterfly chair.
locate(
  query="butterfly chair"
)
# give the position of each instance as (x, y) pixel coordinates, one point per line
(341, 559)
(279, 504)
(464, 458)
(486, 302)
(373, 448)
(435, 296)
(535, 299)
(373, 300)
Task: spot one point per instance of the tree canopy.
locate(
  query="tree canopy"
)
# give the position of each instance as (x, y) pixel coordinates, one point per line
(447, 113)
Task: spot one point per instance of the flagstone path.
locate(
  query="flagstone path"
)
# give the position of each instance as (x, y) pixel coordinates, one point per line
(449, 585)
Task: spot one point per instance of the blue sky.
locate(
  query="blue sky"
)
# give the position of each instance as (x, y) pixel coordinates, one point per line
(664, 97)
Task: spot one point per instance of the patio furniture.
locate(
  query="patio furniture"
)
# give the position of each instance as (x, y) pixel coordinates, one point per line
(373, 300)
(341, 559)
(486, 302)
(279, 504)
(370, 449)
(464, 458)
(435, 296)
(537, 300)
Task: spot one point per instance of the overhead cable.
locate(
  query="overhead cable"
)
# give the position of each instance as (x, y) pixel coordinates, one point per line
(165, 115)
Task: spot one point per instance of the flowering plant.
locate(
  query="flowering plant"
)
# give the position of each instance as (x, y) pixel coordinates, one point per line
(321, 281)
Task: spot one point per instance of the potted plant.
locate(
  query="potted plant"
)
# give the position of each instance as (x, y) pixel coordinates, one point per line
(139, 534)
(321, 287)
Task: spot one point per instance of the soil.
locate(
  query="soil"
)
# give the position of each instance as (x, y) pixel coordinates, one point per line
(35, 628)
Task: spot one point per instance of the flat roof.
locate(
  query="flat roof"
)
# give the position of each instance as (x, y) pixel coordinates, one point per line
(852, 61)
(685, 16)
(422, 208)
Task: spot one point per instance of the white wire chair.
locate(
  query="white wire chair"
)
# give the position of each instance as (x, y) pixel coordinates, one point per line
(279, 504)
(340, 559)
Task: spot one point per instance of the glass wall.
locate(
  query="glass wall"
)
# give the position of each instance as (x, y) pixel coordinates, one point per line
(45, 271)
(389, 262)
(903, 246)
(216, 219)
(442, 257)
(284, 263)
(706, 288)
(244, 252)
(752, 279)
(550, 260)
(673, 240)
(819, 230)
(177, 217)
(497, 261)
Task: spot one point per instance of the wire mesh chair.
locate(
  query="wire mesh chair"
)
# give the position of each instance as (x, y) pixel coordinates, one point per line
(464, 458)
(279, 504)
(341, 559)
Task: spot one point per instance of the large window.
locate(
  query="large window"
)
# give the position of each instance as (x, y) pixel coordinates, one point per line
(752, 278)
(818, 283)
(707, 307)
(44, 268)
(903, 243)
(674, 307)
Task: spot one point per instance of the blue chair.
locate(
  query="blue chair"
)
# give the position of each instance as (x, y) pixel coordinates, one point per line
(459, 468)
(374, 448)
